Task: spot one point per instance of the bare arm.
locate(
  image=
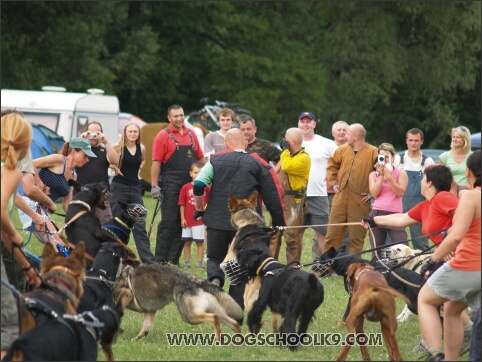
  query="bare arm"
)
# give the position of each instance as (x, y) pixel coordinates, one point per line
(393, 220)
(400, 185)
(182, 209)
(35, 193)
(155, 173)
(111, 154)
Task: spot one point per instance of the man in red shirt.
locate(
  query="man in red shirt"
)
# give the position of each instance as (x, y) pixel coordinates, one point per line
(174, 150)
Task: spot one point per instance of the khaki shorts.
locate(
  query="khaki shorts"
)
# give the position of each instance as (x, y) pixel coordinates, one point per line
(456, 285)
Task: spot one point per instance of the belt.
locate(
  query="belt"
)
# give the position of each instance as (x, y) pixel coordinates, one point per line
(297, 194)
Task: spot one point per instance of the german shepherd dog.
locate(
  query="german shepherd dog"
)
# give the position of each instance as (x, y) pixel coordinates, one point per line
(148, 288)
(45, 334)
(122, 224)
(60, 290)
(374, 300)
(287, 291)
(81, 222)
(98, 295)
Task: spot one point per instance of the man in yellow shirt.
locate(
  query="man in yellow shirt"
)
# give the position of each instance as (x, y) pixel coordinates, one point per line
(293, 171)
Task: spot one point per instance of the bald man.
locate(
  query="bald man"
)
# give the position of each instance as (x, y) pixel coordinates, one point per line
(347, 173)
(293, 171)
(233, 171)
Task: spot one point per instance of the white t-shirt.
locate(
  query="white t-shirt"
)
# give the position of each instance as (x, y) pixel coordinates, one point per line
(320, 150)
(410, 164)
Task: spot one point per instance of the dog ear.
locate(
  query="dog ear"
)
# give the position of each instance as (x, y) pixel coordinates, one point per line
(253, 199)
(351, 269)
(79, 253)
(48, 257)
(76, 185)
(233, 202)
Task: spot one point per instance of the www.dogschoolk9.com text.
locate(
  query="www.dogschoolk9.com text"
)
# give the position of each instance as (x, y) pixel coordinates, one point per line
(275, 339)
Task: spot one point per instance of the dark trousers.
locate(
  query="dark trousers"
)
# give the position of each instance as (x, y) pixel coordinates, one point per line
(381, 233)
(132, 194)
(217, 247)
(169, 244)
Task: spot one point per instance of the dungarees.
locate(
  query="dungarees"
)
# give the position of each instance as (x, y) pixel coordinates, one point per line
(410, 199)
(175, 174)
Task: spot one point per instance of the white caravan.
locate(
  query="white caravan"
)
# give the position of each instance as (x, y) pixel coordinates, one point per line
(66, 113)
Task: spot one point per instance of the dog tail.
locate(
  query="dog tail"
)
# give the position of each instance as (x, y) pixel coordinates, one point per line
(395, 293)
(231, 307)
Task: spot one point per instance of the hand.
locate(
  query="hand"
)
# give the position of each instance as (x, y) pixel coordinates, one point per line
(198, 214)
(427, 266)
(32, 276)
(370, 221)
(284, 145)
(335, 188)
(156, 192)
(366, 197)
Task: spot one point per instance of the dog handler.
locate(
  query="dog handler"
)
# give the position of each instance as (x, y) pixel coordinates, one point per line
(233, 171)
(457, 283)
(16, 138)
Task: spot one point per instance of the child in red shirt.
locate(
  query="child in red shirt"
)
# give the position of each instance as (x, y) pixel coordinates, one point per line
(192, 230)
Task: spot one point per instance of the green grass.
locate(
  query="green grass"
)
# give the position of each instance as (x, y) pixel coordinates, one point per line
(155, 346)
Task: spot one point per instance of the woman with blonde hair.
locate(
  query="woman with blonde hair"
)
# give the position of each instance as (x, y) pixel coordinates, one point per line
(125, 186)
(456, 158)
(16, 137)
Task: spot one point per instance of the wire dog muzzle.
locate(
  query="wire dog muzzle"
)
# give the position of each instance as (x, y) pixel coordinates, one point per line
(320, 269)
(235, 272)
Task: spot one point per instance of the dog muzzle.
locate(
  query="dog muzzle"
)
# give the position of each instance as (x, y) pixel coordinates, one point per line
(137, 213)
(234, 271)
(320, 269)
(386, 253)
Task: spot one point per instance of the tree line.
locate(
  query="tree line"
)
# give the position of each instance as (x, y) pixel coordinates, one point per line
(388, 65)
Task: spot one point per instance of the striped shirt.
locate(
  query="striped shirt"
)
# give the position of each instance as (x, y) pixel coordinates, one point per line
(55, 181)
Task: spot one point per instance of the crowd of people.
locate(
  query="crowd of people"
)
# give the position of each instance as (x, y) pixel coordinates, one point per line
(339, 187)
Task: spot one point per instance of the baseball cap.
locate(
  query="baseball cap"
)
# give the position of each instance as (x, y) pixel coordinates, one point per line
(83, 144)
(307, 114)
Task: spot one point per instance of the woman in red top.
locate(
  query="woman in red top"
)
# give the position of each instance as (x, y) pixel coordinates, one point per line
(457, 283)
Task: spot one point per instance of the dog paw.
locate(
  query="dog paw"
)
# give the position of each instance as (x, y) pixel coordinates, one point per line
(340, 324)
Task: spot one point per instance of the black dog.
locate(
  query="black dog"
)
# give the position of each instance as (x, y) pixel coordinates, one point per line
(81, 222)
(288, 291)
(122, 224)
(98, 295)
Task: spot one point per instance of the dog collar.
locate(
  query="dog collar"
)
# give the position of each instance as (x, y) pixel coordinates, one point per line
(365, 269)
(265, 261)
(64, 269)
(79, 202)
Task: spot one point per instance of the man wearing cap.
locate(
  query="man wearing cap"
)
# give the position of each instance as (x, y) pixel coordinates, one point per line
(96, 170)
(348, 170)
(320, 149)
(53, 172)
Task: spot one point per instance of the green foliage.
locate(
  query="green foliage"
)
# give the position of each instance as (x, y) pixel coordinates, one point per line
(388, 65)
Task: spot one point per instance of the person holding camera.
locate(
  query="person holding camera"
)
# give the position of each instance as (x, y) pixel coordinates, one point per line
(97, 169)
(387, 185)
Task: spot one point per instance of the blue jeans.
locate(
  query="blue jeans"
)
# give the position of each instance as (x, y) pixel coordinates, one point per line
(132, 194)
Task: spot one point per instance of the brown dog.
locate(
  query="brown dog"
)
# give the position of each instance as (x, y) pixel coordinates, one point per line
(373, 299)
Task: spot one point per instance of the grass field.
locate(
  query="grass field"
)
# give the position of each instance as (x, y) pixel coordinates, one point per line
(155, 346)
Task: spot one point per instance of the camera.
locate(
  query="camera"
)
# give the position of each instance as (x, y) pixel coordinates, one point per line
(93, 134)
(381, 159)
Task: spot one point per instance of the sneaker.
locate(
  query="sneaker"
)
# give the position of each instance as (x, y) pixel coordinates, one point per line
(436, 357)
(421, 347)
(187, 264)
(465, 343)
(200, 265)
